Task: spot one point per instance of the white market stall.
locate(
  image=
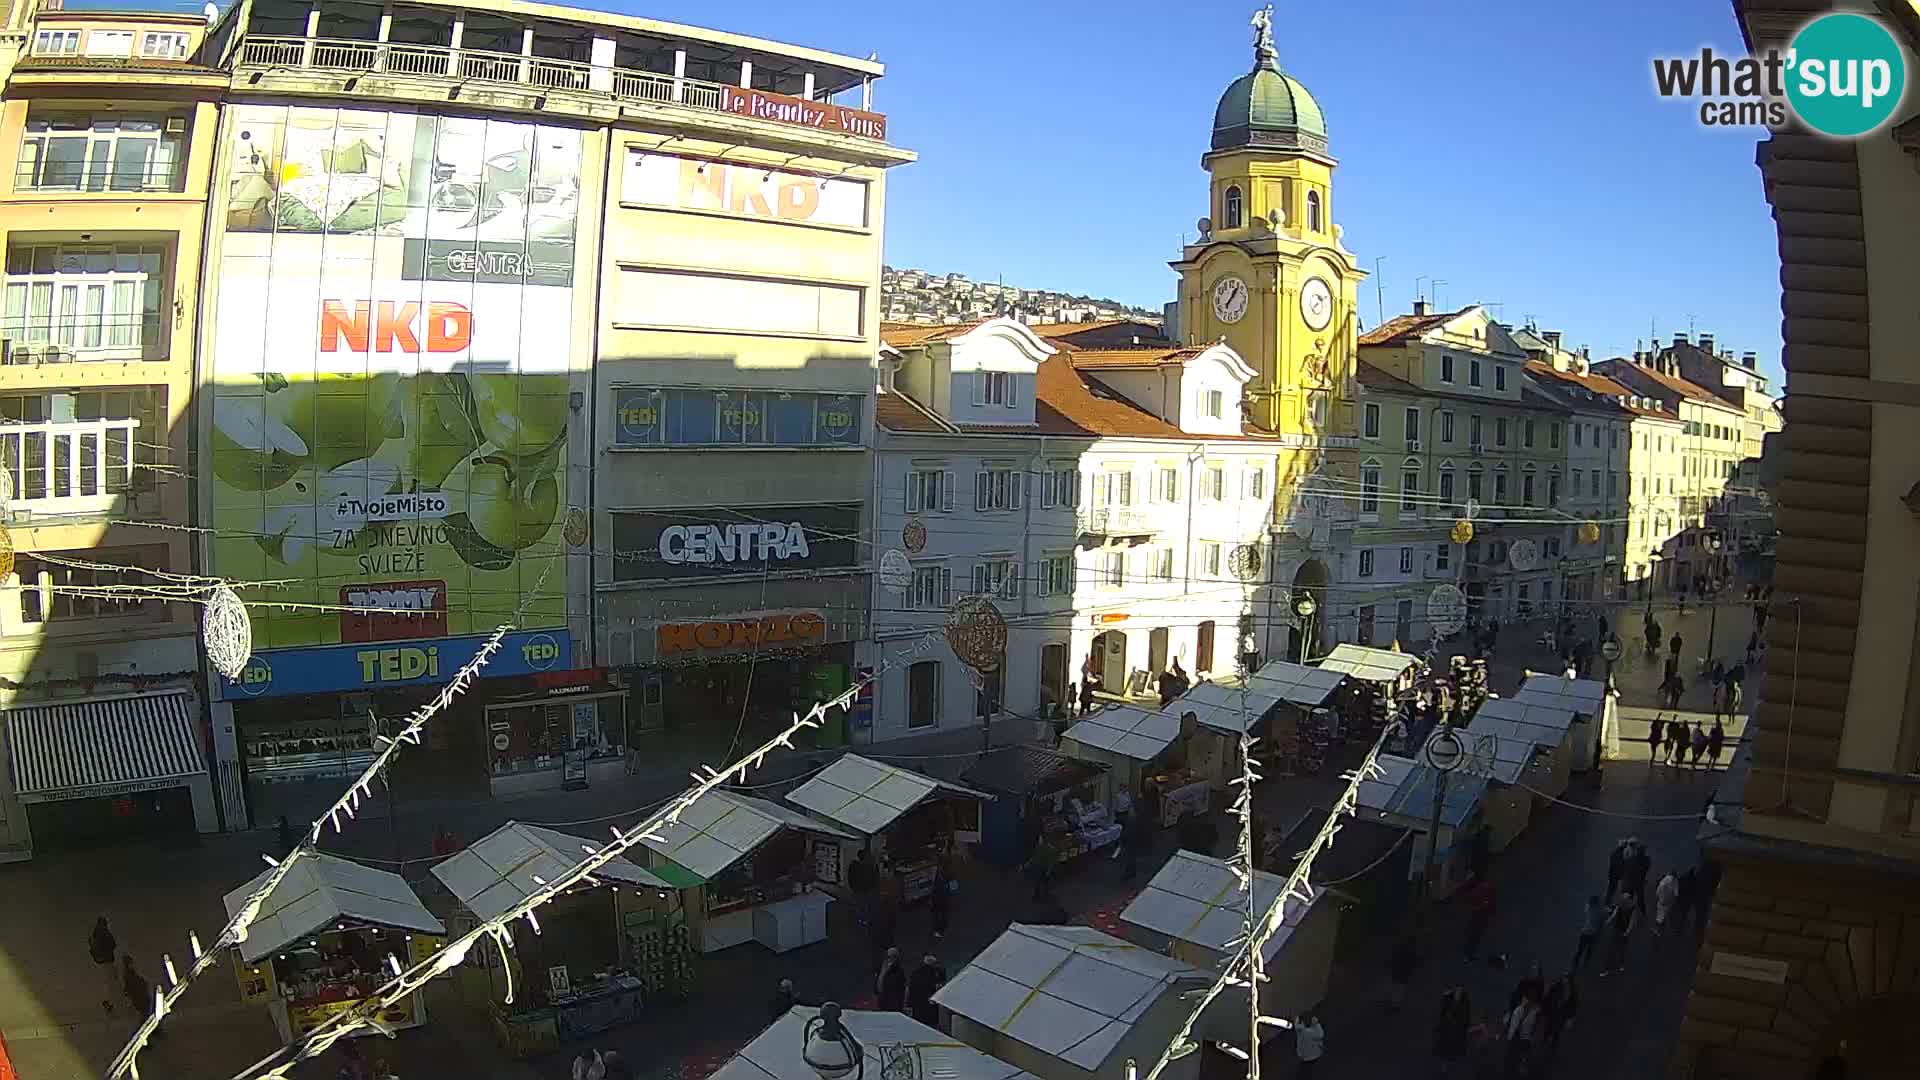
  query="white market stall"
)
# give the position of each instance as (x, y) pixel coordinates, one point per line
(320, 942)
(1596, 731)
(1301, 729)
(1522, 748)
(1403, 797)
(775, 1054)
(907, 819)
(1072, 1003)
(1383, 667)
(1193, 910)
(1221, 714)
(1135, 743)
(603, 949)
(756, 872)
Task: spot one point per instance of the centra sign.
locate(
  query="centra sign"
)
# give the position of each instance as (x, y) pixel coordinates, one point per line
(733, 543)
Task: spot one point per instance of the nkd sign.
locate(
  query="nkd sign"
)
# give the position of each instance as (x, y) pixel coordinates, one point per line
(714, 541)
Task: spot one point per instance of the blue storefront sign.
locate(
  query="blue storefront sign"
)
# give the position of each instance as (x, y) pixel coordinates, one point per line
(703, 417)
(375, 665)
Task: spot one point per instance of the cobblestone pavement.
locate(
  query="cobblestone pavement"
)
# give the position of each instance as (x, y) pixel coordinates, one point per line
(53, 1025)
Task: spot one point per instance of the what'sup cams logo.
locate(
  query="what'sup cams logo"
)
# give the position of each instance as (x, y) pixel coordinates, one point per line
(1842, 75)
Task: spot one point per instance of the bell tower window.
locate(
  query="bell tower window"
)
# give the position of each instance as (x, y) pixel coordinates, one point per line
(1231, 209)
(1313, 211)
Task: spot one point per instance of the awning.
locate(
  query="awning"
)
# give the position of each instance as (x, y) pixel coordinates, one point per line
(321, 890)
(867, 795)
(1368, 664)
(104, 746)
(1127, 730)
(722, 827)
(1227, 709)
(1197, 899)
(1585, 697)
(499, 871)
(1406, 791)
(775, 1053)
(1298, 684)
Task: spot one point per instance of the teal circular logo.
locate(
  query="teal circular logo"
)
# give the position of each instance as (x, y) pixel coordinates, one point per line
(1845, 75)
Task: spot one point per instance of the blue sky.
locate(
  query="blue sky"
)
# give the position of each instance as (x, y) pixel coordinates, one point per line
(1512, 148)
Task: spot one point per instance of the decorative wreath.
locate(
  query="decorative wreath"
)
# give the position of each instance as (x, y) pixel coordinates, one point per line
(977, 633)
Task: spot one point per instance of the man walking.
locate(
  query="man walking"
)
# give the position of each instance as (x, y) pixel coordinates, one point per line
(1639, 865)
(862, 878)
(1617, 864)
(1309, 1043)
(1665, 896)
(1656, 732)
(105, 950)
(1592, 921)
(1716, 741)
(1620, 923)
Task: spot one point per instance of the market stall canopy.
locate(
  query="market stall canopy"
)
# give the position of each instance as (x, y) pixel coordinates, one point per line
(1584, 696)
(320, 890)
(1367, 664)
(104, 746)
(1197, 899)
(1127, 730)
(1226, 708)
(775, 1054)
(498, 871)
(1406, 791)
(722, 827)
(1298, 684)
(867, 795)
(1020, 771)
(1069, 991)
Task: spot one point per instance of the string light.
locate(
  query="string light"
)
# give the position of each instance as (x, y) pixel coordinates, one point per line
(228, 633)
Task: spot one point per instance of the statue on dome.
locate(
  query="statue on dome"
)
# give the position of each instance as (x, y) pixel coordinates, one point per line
(1263, 50)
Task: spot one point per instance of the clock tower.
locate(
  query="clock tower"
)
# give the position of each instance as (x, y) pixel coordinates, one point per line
(1269, 274)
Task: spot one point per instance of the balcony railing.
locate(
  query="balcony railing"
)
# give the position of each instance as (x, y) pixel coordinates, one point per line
(440, 61)
(105, 177)
(1117, 521)
(76, 467)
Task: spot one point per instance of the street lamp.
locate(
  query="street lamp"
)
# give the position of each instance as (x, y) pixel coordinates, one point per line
(1713, 620)
(1444, 753)
(829, 1049)
(1653, 577)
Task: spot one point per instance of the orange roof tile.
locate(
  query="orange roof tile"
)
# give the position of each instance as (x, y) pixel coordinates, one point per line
(1374, 375)
(1067, 405)
(899, 413)
(1598, 384)
(1125, 358)
(1683, 387)
(1401, 327)
(908, 335)
(1068, 329)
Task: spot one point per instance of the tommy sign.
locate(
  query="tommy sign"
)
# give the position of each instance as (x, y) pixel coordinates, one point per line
(715, 541)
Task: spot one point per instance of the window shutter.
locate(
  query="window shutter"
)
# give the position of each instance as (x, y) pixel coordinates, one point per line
(1126, 489)
(1017, 481)
(982, 489)
(979, 578)
(1011, 403)
(1046, 489)
(979, 388)
(1099, 489)
(946, 491)
(946, 587)
(913, 492)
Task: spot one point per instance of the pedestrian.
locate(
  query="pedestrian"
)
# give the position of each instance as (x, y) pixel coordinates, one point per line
(1450, 1030)
(1716, 742)
(590, 1069)
(1086, 696)
(1531, 985)
(1733, 693)
(940, 900)
(1719, 673)
(1139, 841)
(1482, 900)
(880, 927)
(134, 987)
(927, 979)
(1620, 923)
(1522, 1024)
(1400, 968)
(617, 1067)
(1665, 895)
(1562, 1004)
(1656, 735)
(1678, 740)
(1592, 920)
(1700, 743)
(1309, 1043)
(1639, 865)
(784, 999)
(105, 952)
(1617, 864)
(1684, 898)
(862, 878)
(1674, 689)
(891, 983)
(1673, 645)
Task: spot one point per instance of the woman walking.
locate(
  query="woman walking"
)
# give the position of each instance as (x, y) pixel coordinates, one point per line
(1665, 895)
(1656, 735)
(1716, 741)
(1620, 932)
(1452, 1031)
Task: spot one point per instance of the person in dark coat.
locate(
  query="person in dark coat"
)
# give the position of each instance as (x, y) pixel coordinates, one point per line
(1562, 1004)
(926, 980)
(880, 927)
(1451, 1030)
(1617, 864)
(940, 900)
(1656, 736)
(1688, 896)
(1639, 865)
(1716, 742)
(1086, 695)
(892, 983)
(1400, 968)
(104, 950)
(616, 1066)
(784, 999)
(135, 988)
(1138, 841)
(1675, 644)
(863, 877)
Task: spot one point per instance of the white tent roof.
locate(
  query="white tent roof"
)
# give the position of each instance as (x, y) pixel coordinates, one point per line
(1584, 696)
(1069, 991)
(775, 1054)
(320, 890)
(1502, 748)
(721, 827)
(1534, 713)
(1369, 664)
(1298, 684)
(1197, 899)
(1127, 730)
(498, 871)
(1225, 708)
(867, 795)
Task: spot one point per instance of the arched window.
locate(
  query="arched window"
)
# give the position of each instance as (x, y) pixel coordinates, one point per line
(1231, 212)
(1313, 211)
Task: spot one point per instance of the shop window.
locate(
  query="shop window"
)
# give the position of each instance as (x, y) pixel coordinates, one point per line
(923, 694)
(1363, 633)
(540, 734)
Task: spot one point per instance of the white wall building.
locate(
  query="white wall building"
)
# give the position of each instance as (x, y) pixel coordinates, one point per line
(1108, 499)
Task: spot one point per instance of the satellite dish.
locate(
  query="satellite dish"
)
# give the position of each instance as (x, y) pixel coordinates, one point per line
(1524, 555)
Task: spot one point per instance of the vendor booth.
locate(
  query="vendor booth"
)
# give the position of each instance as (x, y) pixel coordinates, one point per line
(601, 951)
(1301, 727)
(754, 866)
(909, 821)
(1193, 910)
(321, 941)
(1221, 714)
(1404, 797)
(1143, 749)
(892, 1044)
(1072, 1003)
(1596, 730)
(1031, 787)
(1382, 667)
(1522, 749)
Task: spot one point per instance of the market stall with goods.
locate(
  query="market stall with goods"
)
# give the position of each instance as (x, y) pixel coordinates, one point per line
(602, 952)
(1523, 748)
(1072, 1003)
(1193, 910)
(322, 940)
(1032, 786)
(1297, 736)
(1596, 715)
(754, 867)
(891, 1044)
(1403, 796)
(908, 821)
(1143, 749)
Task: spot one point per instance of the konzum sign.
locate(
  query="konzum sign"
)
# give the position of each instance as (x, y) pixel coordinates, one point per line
(771, 631)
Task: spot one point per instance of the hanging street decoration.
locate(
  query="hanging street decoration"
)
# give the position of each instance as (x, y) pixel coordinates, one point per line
(1446, 609)
(1473, 509)
(896, 573)
(1589, 532)
(6, 545)
(913, 536)
(977, 632)
(1462, 532)
(578, 528)
(228, 633)
(1245, 562)
(1524, 555)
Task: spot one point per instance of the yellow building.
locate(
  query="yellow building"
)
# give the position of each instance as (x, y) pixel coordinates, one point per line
(110, 121)
(1270, 277)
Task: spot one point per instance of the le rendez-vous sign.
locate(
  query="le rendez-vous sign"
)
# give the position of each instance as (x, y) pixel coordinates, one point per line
(825, 115)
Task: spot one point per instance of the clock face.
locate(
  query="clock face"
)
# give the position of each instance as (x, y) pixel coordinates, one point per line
(1230, 299)
(1316, 303)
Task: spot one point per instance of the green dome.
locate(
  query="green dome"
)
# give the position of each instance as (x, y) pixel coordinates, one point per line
(1269, 108)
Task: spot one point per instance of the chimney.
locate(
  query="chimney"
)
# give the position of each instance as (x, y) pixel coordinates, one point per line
(1552, 337)
(1419, 307)
(1679, 339)
(1706, 343)
(1751, 359)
